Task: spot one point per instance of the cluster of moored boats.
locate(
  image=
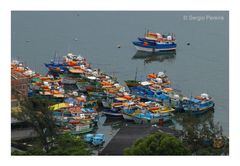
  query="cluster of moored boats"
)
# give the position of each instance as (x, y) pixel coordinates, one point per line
(78, 91)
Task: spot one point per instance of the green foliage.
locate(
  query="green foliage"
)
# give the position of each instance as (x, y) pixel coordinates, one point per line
(200, 132)
(64, 145)
(68, 144)
(18, 153)
(158, 144)
(35, 111)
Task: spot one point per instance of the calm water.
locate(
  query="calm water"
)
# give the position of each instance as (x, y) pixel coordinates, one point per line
(199, 67)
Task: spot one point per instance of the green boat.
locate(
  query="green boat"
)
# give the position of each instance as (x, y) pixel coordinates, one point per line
(132, 83)
(82, 129)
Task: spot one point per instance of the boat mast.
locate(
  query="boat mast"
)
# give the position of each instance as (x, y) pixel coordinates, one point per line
(55, 57)
(136, 74)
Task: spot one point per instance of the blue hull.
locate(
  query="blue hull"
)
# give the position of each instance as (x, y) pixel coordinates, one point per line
(202, 111)
(193, 109)
(55, 67)
(154, 47)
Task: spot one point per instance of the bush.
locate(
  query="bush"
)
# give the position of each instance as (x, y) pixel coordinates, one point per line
(158, 144)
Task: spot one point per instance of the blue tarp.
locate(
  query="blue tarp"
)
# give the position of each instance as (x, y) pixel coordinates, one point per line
(195, 100)
(70, 100)
(163, 97)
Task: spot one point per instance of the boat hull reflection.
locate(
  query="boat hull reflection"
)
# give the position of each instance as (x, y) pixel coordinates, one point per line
(157, 56)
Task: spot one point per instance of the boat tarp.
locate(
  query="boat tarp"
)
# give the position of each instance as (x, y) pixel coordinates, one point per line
(59, 106)
(145, 83)
(70, 100)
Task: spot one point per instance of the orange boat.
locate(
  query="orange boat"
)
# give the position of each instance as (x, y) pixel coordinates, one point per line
(72, 63)
(117, 104)
(200, 98)
(45, 78)
(45, 87)
(127, 97)
(152, 75)
(154, 108)
(79, 71)
(107, 86)
(167, 89)
(55, 92)
(106, 83)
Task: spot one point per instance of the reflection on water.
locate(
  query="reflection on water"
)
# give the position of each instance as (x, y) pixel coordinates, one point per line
(184, 121)
(149, 57)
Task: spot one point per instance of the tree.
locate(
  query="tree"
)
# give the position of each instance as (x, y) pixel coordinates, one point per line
(200, 133)
(65, 144)
(158, 144)
(68, 144)
(35, 111)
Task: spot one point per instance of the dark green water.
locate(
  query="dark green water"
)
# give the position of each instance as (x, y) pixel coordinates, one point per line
(199, 67)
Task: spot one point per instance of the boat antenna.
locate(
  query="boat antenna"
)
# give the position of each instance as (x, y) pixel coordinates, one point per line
(136, 73)
(55, 56)
(146, 31)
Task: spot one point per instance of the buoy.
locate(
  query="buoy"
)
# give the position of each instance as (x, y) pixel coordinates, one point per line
(118, 46)
(188, 43)
(76, 39)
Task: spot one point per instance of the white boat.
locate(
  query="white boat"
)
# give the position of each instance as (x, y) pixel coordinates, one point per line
(154, 49)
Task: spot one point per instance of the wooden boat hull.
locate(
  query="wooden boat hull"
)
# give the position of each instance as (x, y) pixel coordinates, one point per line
(132, 83)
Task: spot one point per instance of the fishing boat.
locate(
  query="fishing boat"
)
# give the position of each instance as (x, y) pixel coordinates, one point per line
(152, 37)
(155, 42)
(153, 80)
(147, 118)
(82, 128)
(128, 114)
(154, 46)
(132, 83)
(113, 112)
(56, 67)
(177, 103)
(114, 101)
(199, 104)
(148, 94)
